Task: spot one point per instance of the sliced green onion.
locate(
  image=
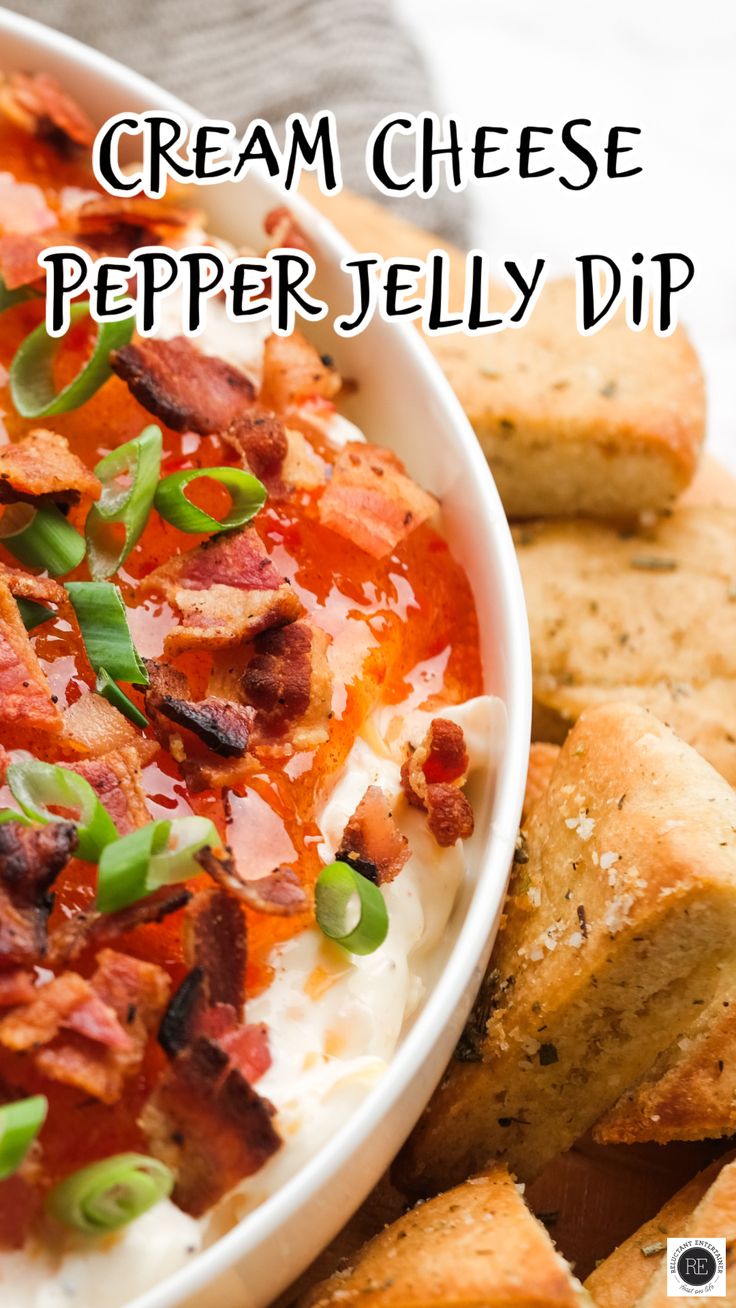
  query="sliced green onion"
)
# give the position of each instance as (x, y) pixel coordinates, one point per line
(111, 1193)
(247, 493)
(32, 370)
(41, 538)
(111, 691)
(20, 1123)
(12, 815)
(32, 613)
(104, 626)
(341, 888)
(159, 854)
(122, 506)
(36, 786)
(8, 299)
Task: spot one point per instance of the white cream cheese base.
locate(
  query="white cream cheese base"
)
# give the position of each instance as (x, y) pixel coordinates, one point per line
(334, 1022)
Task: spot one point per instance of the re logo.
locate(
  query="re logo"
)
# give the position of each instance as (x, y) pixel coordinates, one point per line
(696, 1267)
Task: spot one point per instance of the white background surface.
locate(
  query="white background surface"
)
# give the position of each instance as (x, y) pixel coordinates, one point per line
(666, 66)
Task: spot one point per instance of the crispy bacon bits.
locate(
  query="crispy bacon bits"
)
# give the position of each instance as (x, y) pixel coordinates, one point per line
(221, 725)
(285, 232)
(77, 933)
(280, 893)
(38, 104)
(289, 684)
(207, 1123)
(41, 467)
(432, 777)
(371, 501)
(372, 842)
(91, 1034)
(186, 389)
(31, 858)
(116, 776)
(19, 258)
(226, 590)
(25, 694)
(281, 457)
(294, 370)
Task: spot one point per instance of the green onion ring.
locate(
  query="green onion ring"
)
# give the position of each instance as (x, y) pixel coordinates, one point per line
(35, 785)
(32, 613)
(41, 538)
(20, 1123)
(110, 1194)
(32, 375)
(247, 493)
(103, 623)
(337, 885)
(159, 854)
(128, 506)
(110, 690)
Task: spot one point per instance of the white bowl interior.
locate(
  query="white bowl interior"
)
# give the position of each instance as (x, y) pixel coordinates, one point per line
(404, 402)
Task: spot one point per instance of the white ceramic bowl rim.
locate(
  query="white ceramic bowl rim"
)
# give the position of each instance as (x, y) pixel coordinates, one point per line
(54, 48)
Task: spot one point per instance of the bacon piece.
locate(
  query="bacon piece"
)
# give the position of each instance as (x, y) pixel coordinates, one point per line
(91, 1034)
(441, 757)
(432, 776)
(25, 694)
(260, 438)
(288, 682)
(37, 103)
(372, 842)
(19, 259)
(209, 1125)
(93, 726)
(186, 389)
(41, 467)
(116, 776)
(25, 585)
(285, 232)
(99, 215)
(248, 1048)
(220, 724)
(209, 1000)
(23, 207)
(226, 590)
(16, 987)
(280, 893)
(293, 369)
(73, 936)
(371, 501)
(31, 858)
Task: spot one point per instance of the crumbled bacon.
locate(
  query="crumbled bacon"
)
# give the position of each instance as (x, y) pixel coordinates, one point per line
(221, 725)
(25, 694)
(25, 585)
(41, 467)
(288, 682)
(91, 1034)
(31, 858)
(279, 893)
(186, 389)
(19, 258)
(294, 369)
(441, 757)
(260, 438)
(208, 1124)
(226, 590)
(38, 104)
(116, 776)
(73, 936)
(16, 987)
(93, 726)
(285, 232)
(215, 941)
(372, 842)
(371, 501)
(23, 207)
(95, 215)
(432, 777)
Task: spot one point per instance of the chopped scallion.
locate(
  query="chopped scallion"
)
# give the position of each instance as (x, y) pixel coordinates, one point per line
(103, 623)
(350, 909)
(129, 477)
(20, 1123)
(38, 787)
(41, 538)
(160, 853)
(32, 384)
(247, 493)
(32, 613)
(110, 1194)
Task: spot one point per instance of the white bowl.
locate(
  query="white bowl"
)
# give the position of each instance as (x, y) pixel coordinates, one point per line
(403, 402)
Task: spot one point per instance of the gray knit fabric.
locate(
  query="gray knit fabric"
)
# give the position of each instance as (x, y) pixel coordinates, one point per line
(239, 59)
